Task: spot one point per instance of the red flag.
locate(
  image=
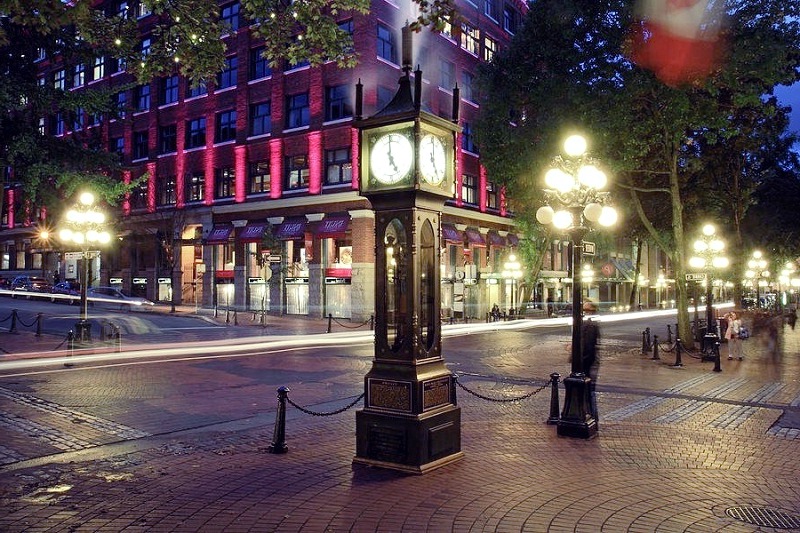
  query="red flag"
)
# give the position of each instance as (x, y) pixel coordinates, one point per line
(679, 40)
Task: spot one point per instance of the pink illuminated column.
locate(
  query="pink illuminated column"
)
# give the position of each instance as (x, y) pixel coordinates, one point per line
(457, 171)
(240, 154)
(484, 195)
(315, 165)
(11, 207)
(354, 157)
(275, 168)
(151, 187)
(126, 202)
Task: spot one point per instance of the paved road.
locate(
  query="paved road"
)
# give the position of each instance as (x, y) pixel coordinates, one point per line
(181, 446)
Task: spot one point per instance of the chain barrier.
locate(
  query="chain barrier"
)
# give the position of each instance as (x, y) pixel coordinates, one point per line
(60, 344)
(331, 320)
(501, 400)
(7, 318)
(331, 413)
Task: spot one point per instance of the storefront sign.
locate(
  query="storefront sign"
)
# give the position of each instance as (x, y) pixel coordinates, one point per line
(290, 230)
(219, 234)
(333, 225)
(253, 232)
(140, 281)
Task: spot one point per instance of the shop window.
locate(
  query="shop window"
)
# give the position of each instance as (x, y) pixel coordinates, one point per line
(165, 190)
(195, 187)
(469, 189)
(224, 182)
(297, 172)
(338, 168)
(258, 177)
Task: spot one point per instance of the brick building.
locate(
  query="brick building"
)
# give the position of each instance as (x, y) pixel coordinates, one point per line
(251, 198)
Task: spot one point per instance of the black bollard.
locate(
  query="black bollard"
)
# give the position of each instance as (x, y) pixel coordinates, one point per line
(70, 346)
(279, 436)
(371, 322)
(655, 348)
(330, 322)
(227, 315)
(235, 318)
(13, 328)
(38, 324)
(717, 366)
(649, 341)
(117, 337)
(554, 409)
(644, 342)
(669, 334)
(678, 349)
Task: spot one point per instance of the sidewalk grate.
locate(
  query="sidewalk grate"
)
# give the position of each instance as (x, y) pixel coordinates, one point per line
(763, 516)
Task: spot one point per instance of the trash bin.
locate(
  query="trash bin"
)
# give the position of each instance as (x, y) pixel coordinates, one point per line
(709, 341)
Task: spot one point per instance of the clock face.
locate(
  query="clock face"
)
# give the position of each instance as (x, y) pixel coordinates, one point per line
(432, 159)
(391, 158)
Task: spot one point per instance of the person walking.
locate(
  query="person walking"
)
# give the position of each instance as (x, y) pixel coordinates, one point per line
(732, 335)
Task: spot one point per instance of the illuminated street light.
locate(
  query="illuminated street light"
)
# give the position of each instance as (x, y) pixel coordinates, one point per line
(576, 200)
(84, 227)
(756, 273)
(512, 271)
(708, 249)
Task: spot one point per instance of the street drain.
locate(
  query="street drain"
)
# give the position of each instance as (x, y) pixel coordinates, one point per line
(762, 516)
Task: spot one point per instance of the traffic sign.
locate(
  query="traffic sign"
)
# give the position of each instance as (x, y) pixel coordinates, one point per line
(73, 255)
(588, 248)
(695, 277)
(274, 258)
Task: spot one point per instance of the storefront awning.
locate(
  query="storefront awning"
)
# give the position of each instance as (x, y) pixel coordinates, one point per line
(291, 229)
(451, 234)
(253, 232)
(624, 267)
(495, 239)
(475, 238)
(513, 240)
(332, 226)
(219, 234)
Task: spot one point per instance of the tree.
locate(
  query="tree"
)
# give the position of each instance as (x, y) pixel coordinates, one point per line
(567, 70)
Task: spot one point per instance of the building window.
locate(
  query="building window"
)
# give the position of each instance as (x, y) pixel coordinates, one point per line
(79, 75)
(467, 92)
(141, 10)
(59, 125)
(226, 126)
(224, 182)
(196, 133)
(490, 8)
(258, 178)
(469, 189)
(99, 70)
(42, 126)
(140, 144)
(447, 70)
(296, 172)
(41, 54)
(468, 139)
(195, 187)
(142, 93)
(229, 16)
(169, 90)
(491, 195)
(489, 48)
(297, 111)
(117, 65)
(167, 139)
(78, 118)
(338, 168)
(259, 65)
(470, 39)
(139, 196)
(386, 44)
(60, 79)
(144, 48)
(121, 104)
(337, 102)
(193, 91)
(117, 145)
(447, 30)
(260, 118)
(165, 190)
(227, 78)
(509, 19)
(347, 27)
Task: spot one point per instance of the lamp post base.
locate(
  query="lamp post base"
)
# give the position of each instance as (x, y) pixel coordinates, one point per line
(83, 331)
(576, 418)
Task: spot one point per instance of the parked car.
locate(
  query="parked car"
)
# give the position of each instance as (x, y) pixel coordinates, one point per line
(30, 285)
(111, 296)
(66, 292)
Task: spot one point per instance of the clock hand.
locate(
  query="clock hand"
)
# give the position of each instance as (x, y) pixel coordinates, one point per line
(391, 159)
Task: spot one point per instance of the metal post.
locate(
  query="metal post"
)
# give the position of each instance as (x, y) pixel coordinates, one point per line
(235, 318)
(678, 349)
(669, 334)
(70, 346)
(279, 435)
(330, 322)
(554, 408)
(717, 367)
(649, 342)
(38, 324)
(644, 342)
(655, 348)
(371, 322)
(13, 328)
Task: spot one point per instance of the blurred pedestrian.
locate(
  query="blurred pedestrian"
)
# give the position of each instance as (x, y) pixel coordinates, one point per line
(791, 317)
(550, 306)
(732, 336)
(590, 334)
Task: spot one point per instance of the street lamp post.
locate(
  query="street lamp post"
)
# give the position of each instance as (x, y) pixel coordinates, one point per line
(757, 269)
(513, 272)
(575, 185)
(587, 277)
(83, 226)
(708, 249)
(784, 283)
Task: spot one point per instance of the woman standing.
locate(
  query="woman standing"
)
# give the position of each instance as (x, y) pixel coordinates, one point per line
(732, 334)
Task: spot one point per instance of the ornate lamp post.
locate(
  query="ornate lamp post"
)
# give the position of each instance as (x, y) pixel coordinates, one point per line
(575, 185)
(757, 271)
(512, 271)
(642, 282)
(84, 227)
(784, 282)
(587, 277)
(708, 249)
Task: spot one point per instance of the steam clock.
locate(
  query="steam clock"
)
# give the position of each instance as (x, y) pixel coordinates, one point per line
(410, 421)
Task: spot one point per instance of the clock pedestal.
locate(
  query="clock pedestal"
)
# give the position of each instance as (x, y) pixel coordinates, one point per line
(410, 421)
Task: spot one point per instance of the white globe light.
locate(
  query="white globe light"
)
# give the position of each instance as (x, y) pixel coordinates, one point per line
(562, 219)
(749, 274)
(700, 246)
(697, 262)
(91, 235)
(78, 237)
(575, 145)
(717, 245)
(757, 254)
(709, 230)
(559, 180)
(545, 215)
(86, 198)
(593, 211)
(65, 235)
(608, 216)
(592, 177)
(72, 215)
(104, 237)
(720, 262)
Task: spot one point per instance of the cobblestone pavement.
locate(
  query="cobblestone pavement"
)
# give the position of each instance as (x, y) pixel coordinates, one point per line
(689, 450)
